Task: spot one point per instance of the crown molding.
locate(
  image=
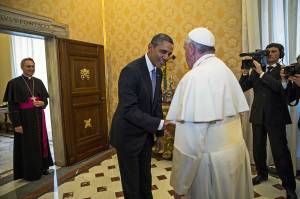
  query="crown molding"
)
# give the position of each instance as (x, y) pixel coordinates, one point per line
(13, 20)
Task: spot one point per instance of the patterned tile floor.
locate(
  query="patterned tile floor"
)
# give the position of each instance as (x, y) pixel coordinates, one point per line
(6, 153)
(6, 149)
(103, 182)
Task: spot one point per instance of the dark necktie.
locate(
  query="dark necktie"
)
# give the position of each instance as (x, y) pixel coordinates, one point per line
(153, 79)
(269, 68)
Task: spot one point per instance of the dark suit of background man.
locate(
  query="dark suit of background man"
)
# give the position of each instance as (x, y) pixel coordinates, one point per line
(269, 116)
(139, 116)
(293, 86)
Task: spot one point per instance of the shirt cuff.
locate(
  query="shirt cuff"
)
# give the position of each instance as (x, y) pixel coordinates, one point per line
(161, 125)
(261, 75)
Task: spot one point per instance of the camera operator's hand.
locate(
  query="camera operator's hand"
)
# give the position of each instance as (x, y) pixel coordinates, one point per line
(257, 68)
(282, 75)
(296, 79)
(245, 71)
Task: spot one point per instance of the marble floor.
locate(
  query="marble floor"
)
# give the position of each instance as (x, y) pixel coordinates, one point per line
(6, 164)
(10, 189)
(98, 177)
(103, 181)
(6, 154)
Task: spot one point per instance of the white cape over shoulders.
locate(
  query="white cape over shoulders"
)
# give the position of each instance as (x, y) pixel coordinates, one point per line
(208, 92)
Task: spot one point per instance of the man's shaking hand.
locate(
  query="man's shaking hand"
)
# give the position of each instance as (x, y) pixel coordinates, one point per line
(169, 128)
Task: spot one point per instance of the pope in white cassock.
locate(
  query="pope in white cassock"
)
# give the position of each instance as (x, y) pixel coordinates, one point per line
(210, 158)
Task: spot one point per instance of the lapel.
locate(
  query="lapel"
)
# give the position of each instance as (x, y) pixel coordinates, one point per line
(276, 70)
(148, 83)
(146, 78)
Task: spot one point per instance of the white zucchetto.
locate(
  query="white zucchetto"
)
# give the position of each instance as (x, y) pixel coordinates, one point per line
(202, 36)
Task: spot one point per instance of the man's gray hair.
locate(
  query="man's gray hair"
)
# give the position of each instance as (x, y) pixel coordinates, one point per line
(202, 48)
(157, 39)
(26, 59)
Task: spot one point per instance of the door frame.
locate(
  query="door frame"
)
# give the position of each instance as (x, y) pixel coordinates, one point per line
(16, 22)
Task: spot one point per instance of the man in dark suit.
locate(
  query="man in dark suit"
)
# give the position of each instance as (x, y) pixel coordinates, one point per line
(293, 85)
(293, 90)
(269, 116)
(139, 116)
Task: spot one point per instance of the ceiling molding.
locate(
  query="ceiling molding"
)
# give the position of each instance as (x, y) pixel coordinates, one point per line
(13, 20)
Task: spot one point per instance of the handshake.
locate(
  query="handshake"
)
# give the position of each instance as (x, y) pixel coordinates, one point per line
(169, 131)
(169, 128)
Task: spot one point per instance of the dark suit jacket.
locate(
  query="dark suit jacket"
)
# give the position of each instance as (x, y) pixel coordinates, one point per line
(137, 117)
(269, 104)
(292, 92)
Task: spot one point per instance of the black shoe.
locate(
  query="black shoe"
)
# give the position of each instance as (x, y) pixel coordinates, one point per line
(258, 179)
(46, 172)
(272, 170)
(291, 194)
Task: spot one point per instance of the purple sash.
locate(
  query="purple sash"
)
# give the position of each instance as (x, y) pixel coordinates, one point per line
(29, 105)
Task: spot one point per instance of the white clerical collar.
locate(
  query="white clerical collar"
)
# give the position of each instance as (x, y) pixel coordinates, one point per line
(149, 63)
(29, 77)
(201, 59)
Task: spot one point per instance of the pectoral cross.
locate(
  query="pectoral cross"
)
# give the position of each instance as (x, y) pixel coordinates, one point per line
(33, 98)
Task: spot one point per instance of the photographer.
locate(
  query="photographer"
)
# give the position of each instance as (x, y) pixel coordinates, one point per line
(293, 83)
(269, 116)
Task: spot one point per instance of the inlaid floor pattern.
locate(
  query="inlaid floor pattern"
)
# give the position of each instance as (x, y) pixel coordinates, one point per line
(103, 182)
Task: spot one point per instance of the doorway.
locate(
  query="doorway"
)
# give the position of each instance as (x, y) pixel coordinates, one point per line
(14, 49)
(70, 134)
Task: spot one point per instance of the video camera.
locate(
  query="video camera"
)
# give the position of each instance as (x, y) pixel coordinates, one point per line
(257, 55)
(291, 70)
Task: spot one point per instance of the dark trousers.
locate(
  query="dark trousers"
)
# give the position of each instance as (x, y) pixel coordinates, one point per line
(135, 172)
(280, 152)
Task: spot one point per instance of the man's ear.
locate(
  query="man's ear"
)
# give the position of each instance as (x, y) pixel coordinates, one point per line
(150, 46)
(190, 50)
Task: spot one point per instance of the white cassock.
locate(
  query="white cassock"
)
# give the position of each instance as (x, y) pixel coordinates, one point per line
(210, 158)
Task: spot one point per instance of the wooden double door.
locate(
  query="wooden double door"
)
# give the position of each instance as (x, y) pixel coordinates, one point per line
(83, 99)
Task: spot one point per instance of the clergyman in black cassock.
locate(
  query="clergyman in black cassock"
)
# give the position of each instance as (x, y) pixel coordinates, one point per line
(27, 97)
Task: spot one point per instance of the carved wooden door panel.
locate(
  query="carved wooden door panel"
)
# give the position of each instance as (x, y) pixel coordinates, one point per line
(82, 81)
